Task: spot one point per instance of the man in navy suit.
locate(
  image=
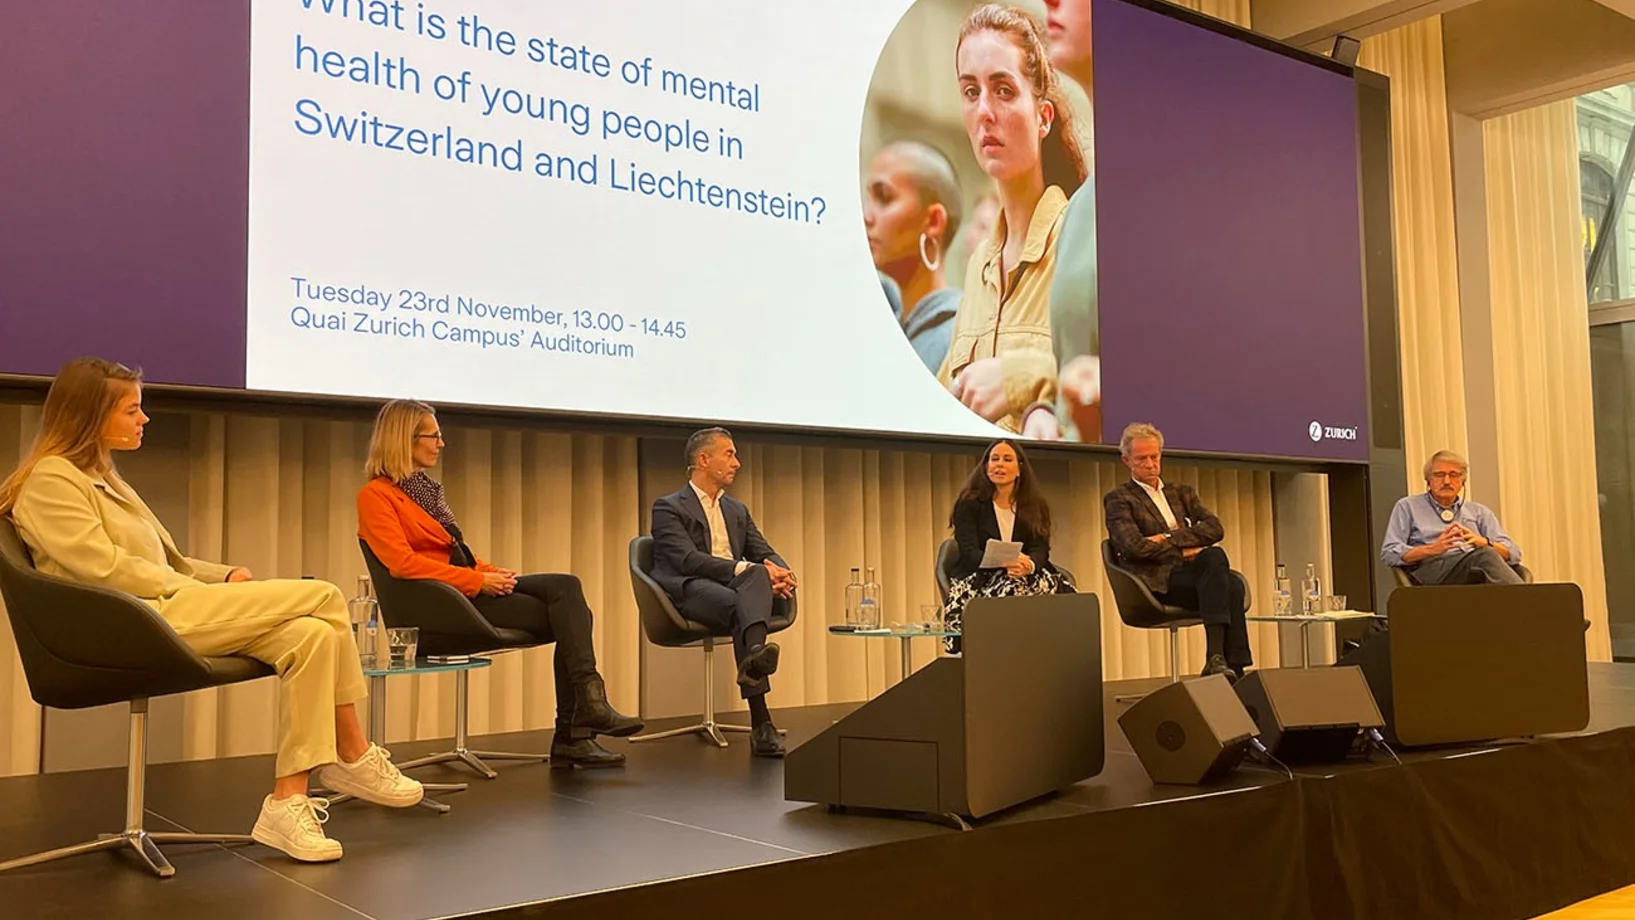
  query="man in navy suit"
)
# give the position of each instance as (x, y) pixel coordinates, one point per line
(720, 572)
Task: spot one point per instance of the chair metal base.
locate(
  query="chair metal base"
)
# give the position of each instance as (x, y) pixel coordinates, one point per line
(144, 843)
(709, 728)
(134, 836)
(1174, 668)
(461, 753)
(428, 803)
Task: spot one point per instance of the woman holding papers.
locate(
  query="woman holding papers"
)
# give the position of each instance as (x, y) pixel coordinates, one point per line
(1002, 526)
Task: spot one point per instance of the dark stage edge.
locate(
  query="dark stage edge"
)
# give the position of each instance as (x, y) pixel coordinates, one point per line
(687, 830)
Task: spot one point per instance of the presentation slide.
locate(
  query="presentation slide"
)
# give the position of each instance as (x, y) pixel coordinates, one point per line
(580, 206)
(928, 218)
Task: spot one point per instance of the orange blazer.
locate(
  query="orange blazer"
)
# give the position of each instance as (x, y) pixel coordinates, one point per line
(409, 541)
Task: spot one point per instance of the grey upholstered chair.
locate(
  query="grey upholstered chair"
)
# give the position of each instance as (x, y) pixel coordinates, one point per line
(84, 646)
(1138, 608)
(665, 626)
(449, 627)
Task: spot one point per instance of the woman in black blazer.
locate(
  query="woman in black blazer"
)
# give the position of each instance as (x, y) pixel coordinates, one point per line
(1001, 501)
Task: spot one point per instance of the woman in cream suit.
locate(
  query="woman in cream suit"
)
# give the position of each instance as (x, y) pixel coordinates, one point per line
(82, 522)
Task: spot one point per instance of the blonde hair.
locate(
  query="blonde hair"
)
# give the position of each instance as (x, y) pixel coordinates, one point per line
(391, 446)
(82, 396)
(1137, 431)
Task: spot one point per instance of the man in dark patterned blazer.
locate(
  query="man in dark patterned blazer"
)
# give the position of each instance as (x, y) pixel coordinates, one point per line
(1166, 537)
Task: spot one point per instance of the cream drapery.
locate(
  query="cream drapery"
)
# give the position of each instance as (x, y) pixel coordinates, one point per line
(277, 494)
(1233, 11)
(1541, 355)
(19, 716)
(1433, 407)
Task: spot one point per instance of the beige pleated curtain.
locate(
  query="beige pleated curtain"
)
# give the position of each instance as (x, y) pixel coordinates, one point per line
(1427, 264)
(1541, 352)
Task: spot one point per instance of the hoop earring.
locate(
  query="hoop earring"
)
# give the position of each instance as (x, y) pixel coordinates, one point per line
(925, 260)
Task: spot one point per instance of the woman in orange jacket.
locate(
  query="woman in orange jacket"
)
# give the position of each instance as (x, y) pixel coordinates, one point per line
(409, 526)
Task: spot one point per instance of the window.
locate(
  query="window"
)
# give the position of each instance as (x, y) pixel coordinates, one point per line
(1596, 184)
(1606, 125)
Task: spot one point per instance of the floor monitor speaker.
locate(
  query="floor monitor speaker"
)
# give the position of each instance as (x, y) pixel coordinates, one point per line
(1192, 731)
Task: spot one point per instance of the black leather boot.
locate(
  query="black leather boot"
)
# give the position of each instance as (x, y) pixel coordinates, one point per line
(568, 752)
(593, 713)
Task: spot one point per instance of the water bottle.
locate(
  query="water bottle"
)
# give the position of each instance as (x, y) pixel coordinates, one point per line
(366, 628)
(1312, 588)
(868, 611)
(854, 598)
(1282, 598)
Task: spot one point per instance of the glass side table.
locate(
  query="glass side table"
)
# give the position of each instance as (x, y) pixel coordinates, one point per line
(1305, 620)
(377, 714)
(907, 632)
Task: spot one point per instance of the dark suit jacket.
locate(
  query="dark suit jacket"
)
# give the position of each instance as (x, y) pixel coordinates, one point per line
(681, 541)
(975, 523)
(1132, 517)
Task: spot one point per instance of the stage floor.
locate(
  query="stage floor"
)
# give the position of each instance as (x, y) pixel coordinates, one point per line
(681, 808)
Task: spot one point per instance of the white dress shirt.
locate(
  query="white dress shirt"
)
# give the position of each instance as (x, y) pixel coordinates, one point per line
(720, 542)
(1157, 496)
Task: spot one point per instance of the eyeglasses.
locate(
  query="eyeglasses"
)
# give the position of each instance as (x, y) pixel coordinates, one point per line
(434, 436)
(1451, 476)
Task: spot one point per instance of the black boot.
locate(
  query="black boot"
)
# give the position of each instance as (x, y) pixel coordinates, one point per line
(593, 713)
(568, 752)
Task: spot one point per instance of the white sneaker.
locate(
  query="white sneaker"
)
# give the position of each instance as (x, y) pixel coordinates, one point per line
(296, 826)
(373, 778)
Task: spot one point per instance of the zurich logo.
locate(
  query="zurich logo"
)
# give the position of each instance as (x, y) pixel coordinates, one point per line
(1316, 431)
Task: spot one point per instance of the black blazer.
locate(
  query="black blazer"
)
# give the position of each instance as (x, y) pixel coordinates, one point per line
(975, 523)
(1132, 518)
(681, 541)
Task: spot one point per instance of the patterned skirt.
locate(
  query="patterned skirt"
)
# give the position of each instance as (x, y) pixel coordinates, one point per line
(995, 583)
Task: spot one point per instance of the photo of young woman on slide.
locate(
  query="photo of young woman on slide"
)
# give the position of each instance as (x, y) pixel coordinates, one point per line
(1022, 348)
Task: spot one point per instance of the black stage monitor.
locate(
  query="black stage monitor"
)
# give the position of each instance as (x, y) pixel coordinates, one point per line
(1479, 662)
(1309, 715)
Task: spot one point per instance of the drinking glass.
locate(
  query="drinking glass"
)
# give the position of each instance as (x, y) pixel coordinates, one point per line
(403, 643)
(931, 616)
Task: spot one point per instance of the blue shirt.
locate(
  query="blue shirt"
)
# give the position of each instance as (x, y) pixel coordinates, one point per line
(1417, 521)
(930, 326)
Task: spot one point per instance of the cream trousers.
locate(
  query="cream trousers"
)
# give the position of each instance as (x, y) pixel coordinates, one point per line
(300, 628)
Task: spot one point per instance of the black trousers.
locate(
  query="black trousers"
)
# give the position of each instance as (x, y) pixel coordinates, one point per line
(736, 606)
(552, 608)
(1204, 583)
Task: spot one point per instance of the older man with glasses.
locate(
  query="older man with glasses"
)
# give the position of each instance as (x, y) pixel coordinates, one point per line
(1443, 539)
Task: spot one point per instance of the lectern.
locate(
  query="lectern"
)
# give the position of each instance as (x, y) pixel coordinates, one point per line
(1018, 716)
